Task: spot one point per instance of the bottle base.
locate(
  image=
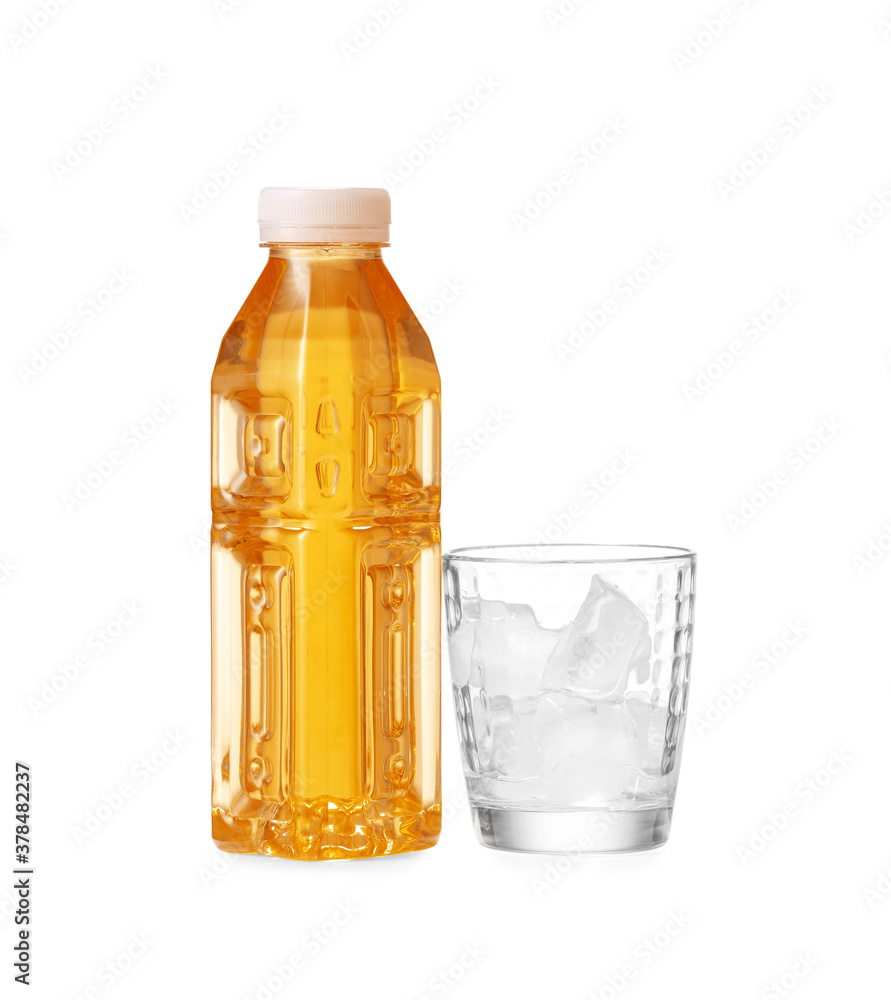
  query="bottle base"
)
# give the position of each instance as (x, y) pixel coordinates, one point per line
(577, 832)
(330, 830)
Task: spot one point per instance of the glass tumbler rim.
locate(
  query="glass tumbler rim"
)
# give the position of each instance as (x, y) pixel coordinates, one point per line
(563, 553)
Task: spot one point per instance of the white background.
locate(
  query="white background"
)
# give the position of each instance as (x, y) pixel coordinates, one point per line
(810, 554)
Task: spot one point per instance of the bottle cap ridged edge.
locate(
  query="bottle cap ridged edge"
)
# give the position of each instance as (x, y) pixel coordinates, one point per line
(324, 215)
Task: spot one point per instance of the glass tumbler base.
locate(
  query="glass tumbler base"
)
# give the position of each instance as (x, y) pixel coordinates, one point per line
(580, 831)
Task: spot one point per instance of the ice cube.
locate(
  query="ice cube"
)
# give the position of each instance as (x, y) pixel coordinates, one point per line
(460, 653)
(639, 667)
(579, 783)
(572, 725)
(481, 717)
(516, 615)
(505, 735)
(515, 746)
(486, 713)
(651, 722)
(510, 650)
(596, 651)
(587, 747)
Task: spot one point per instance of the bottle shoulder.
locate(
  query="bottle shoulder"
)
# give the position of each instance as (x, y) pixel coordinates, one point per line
(348, 312)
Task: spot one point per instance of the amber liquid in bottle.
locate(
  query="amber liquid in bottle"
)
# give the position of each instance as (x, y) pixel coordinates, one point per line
(325, 565)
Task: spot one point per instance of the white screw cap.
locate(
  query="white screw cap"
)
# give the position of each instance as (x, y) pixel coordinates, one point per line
(324, 215)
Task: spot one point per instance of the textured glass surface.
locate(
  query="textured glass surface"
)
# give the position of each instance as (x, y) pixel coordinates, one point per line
(570, 682)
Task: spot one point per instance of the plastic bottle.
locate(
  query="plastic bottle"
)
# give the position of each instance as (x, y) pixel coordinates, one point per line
(325, 546)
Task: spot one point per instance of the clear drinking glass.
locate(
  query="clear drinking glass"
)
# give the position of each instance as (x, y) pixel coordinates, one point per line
(570, 666)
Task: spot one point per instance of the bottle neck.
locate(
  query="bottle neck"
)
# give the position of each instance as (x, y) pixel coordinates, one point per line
(325, 251)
